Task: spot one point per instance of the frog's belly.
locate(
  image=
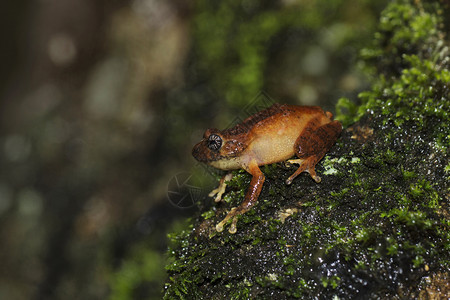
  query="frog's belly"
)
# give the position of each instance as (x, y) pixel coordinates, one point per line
(272, 149)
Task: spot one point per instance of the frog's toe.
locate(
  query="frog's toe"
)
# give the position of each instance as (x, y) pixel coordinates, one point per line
(317, 178)
(297, 161)
(218, 193)
(218, 198)
(219, 227)
(312, 173)
(233, 228)
(213, 192)
(221, 224)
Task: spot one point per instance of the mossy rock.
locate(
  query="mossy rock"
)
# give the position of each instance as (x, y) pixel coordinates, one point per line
(378, 224)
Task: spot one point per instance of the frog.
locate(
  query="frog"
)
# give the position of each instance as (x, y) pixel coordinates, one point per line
(293, 134)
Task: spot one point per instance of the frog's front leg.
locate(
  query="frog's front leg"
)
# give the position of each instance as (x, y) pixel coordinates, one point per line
(250, 198)
(311, 147)
(221, 188)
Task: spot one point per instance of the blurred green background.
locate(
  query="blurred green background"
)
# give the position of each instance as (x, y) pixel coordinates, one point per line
(102, 101)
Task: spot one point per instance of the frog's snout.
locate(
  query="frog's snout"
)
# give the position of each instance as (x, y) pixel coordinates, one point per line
(197, 152)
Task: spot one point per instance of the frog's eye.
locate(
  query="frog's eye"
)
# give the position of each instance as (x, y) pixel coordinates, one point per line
(214, 142)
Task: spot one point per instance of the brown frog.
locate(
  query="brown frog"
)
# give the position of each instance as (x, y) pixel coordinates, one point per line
(270, 136)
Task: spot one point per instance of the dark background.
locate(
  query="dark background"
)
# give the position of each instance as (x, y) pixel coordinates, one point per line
(101, 103)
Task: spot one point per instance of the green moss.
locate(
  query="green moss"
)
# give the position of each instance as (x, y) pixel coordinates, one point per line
(137, 274)
(332, 281)
(408, 174)
(447, 168)
(239, 180)
(346, 110)
(233, 39)
(413, 79)
(379, 218)
(208, 214)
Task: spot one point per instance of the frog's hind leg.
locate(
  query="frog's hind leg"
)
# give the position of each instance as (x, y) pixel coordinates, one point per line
(311, 147)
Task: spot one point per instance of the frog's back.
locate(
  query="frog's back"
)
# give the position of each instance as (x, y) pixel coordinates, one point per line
(277, 117)
(271, 116)
(256, 120)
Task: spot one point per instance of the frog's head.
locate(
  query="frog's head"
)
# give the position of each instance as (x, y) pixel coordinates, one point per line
(218, 150)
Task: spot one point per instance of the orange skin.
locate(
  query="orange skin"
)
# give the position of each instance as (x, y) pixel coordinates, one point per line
(272, 135)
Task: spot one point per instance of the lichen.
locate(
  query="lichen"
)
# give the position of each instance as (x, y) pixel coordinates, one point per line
(378, 223)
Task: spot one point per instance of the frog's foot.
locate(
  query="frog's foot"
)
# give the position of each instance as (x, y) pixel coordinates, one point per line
(231, 215)
(306, 165)
(221, 188)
